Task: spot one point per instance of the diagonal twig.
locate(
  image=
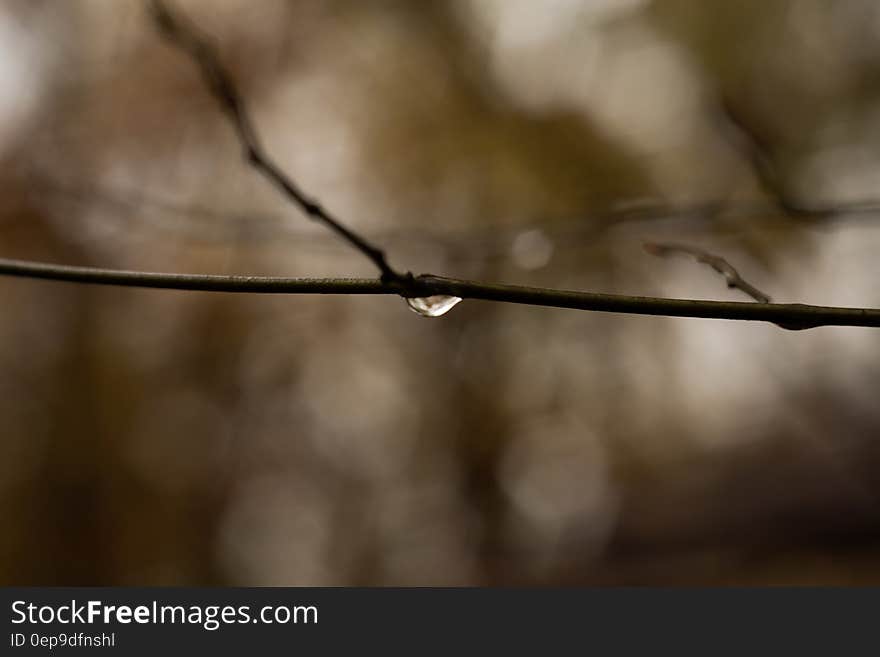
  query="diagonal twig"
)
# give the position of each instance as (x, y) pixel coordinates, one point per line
(185, 37)
(719, 264)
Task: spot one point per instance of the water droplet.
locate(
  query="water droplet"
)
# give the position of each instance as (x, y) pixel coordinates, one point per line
(433, 306)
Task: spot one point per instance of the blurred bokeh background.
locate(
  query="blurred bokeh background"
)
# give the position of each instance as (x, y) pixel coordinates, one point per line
(155, 437)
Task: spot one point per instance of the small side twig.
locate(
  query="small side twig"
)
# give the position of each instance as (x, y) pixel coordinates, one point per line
(220, 83)
(719, 264)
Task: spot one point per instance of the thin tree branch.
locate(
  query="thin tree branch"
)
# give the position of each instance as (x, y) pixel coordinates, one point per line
(220, 83)
(759, 153)
(719, 264)
(790, 316)
(588, 225)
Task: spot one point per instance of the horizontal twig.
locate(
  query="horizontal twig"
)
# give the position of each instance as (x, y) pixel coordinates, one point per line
(790, 316)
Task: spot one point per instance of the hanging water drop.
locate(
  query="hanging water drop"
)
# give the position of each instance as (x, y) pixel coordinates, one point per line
(433, 306)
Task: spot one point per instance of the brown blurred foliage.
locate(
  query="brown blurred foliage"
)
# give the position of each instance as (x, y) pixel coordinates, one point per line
(153, 437)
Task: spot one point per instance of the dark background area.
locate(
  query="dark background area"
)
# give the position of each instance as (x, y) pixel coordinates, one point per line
(155, 437)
